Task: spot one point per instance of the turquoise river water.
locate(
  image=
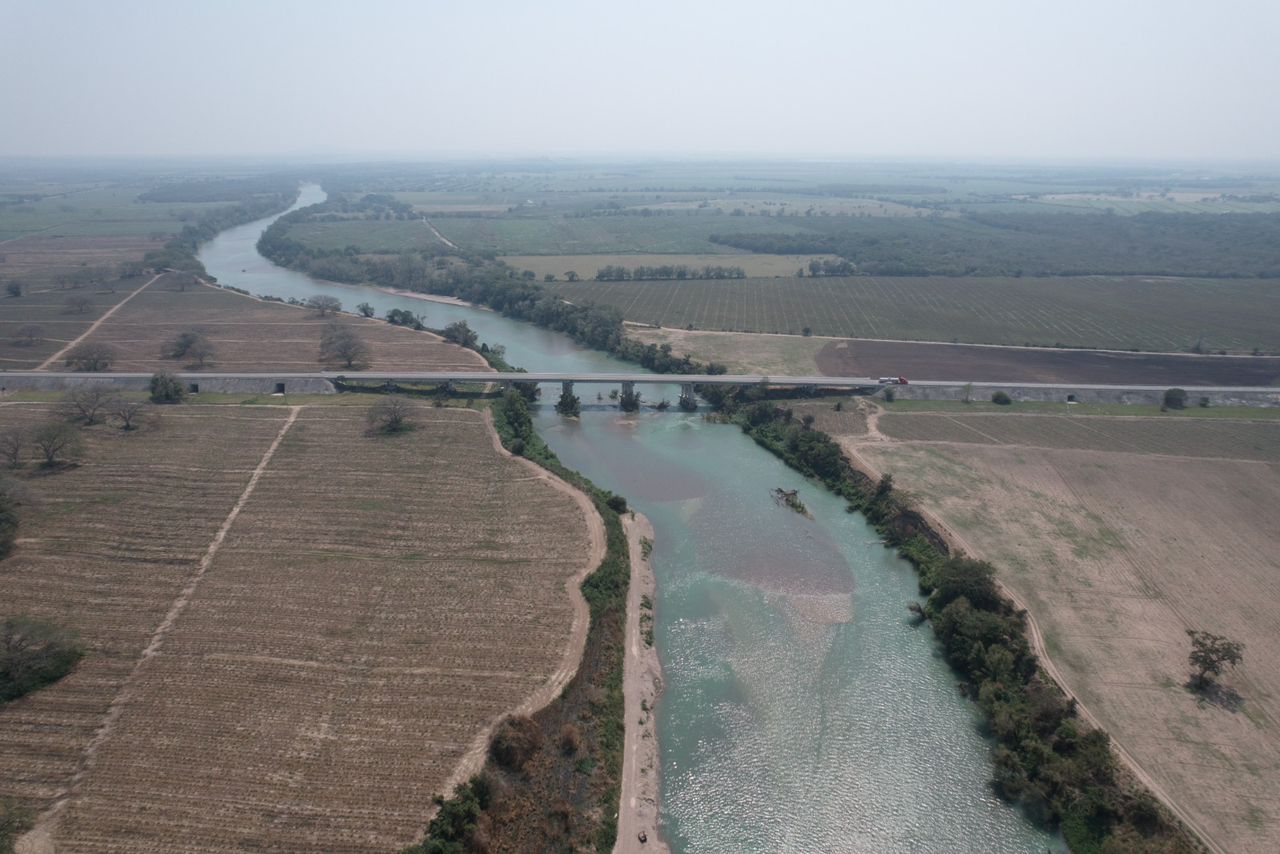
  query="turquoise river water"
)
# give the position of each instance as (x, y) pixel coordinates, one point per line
(802, 711)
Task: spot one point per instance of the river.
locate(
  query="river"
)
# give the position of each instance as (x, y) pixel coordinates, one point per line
(803, 711)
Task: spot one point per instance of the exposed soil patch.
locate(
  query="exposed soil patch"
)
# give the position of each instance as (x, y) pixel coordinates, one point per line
(916, 360)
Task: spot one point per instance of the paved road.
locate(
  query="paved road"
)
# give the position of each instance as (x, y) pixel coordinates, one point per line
(605, 379)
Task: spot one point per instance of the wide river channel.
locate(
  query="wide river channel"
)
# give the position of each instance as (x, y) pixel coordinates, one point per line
(802, 710)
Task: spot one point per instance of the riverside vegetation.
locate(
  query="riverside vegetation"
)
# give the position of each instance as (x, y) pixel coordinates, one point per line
(1061, 772)
(552, 780)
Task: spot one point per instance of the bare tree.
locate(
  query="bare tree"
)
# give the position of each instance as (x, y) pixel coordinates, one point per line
(90, 357)
(28, 334)
(1210, 654)
(77, 304)
(13, 441)
(389, 415)
(86, 403)
(324, 305)
(191, 345)
(339, 343)
(55, 440)
(126, 410)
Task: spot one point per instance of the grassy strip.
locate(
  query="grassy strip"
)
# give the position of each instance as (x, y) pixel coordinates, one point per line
(563, 792)
(1063, 774)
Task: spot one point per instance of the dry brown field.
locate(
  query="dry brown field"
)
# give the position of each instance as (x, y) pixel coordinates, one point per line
(254, 335)
(38, 262)
(317, 665)
(753, 352)
(1118, 534)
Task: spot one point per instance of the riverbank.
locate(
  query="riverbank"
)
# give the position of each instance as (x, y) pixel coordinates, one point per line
(477, 754)
(444, 300)
(641, 686)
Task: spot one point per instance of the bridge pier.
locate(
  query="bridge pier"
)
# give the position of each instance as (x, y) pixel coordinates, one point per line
(687, 400)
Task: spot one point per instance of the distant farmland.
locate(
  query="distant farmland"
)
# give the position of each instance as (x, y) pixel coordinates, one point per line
(681, 233)
(1104, 312)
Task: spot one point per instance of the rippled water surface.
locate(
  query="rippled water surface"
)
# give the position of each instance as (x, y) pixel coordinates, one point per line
(803, 712)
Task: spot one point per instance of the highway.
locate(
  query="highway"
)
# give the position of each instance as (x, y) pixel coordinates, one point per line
(23, 378)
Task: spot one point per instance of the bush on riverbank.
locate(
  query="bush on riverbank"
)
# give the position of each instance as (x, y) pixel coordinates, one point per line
(1062, 773)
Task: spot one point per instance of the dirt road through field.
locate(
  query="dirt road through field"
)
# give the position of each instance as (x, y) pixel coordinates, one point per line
(93, 326)
(641, 685)
(39, 839)
(446, 241)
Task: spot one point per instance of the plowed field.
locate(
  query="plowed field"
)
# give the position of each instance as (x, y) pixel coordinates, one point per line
(374, 607)
(251, 335)
(1119, 534)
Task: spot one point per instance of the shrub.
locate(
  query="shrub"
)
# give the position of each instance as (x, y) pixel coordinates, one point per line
(617, 503)
(166, 388)
(1001, 398)
(90, 357)
(1175, 398)
(33, 653)
(517, 739)
(8, 521)
(389, 416)
(570, 739)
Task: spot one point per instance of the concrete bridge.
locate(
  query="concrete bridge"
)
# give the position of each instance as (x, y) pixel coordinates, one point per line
(321, 382)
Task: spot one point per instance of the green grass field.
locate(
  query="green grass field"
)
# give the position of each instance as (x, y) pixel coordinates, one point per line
(1102, 312)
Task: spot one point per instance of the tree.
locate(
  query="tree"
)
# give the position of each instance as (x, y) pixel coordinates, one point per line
(166, 388)
(77, 304)
(340, 343)
(569, 405)
(8, 521)
(629, 401)
(14, 288)
(365, 309)
(461, 334)
(126, 410)
(1210, 654)
(28, 334)
(1175, 398)
(57, 440)
(324, 305)
(1001, 398)
(549, 277)
(13, 441)
(191, 345)
(87, 402)
(389, 416)
(33, 653)
(571, 276)
(90, 357)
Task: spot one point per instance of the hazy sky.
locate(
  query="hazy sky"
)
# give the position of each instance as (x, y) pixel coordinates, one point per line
(1132, 79)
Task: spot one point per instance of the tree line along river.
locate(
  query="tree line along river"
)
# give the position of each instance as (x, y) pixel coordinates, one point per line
(802, 710)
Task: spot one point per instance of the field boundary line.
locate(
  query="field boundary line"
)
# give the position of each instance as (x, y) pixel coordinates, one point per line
(40, 838)
(473, 759)
(1041, 650)
(94, 326)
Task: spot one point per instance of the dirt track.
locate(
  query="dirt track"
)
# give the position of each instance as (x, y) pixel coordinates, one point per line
(1043, 365)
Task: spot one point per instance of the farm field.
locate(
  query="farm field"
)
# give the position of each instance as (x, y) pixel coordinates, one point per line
(1143, 313)
(1118, 534)
(586, 266)
(753, 352)
(99, 210)
(252, 335)
(370, 235)
(38, 262)
(677, 234)
(374, 607)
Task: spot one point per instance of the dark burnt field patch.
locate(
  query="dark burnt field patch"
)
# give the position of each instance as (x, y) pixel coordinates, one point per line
(1019, 364)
